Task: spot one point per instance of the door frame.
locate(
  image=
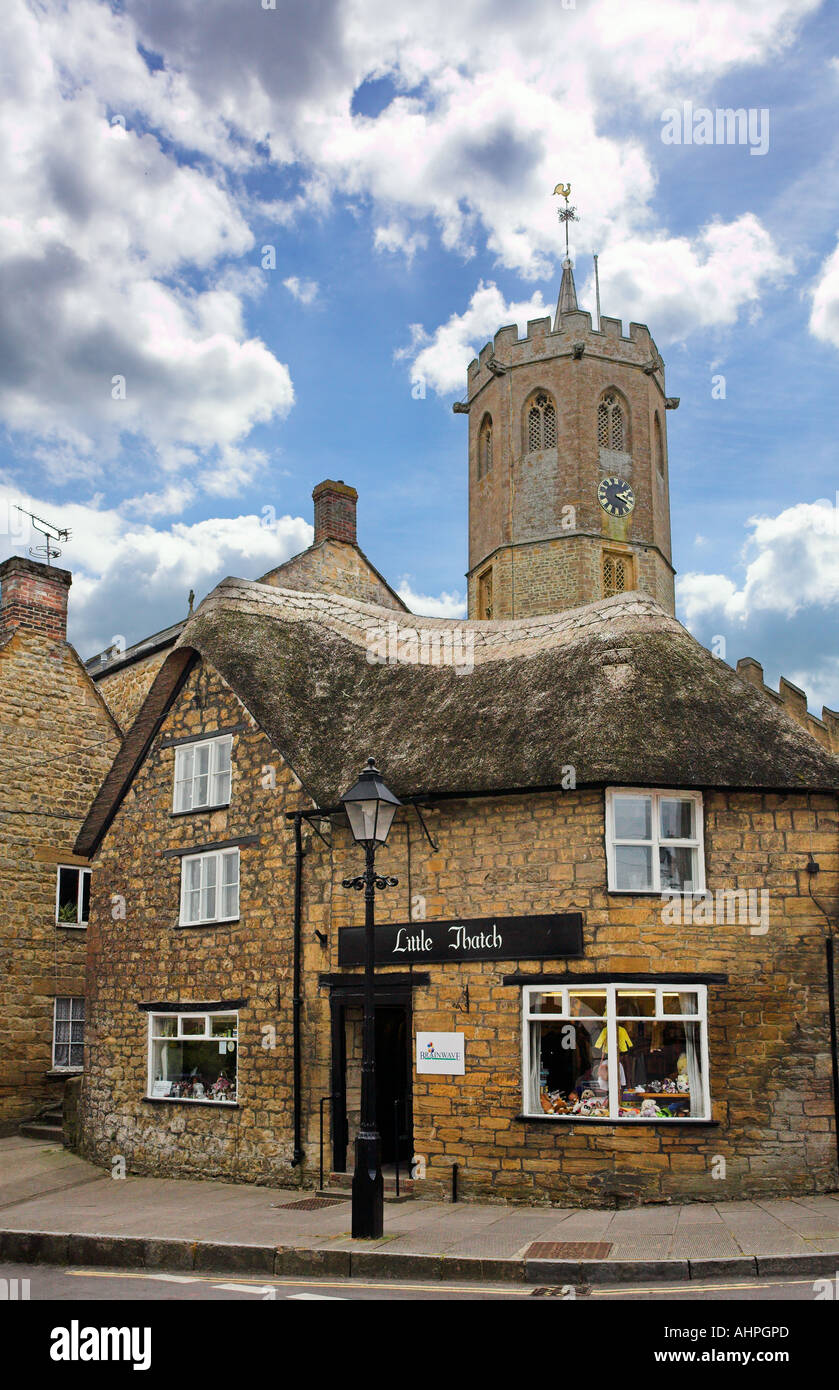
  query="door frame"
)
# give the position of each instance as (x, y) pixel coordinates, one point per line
(341, 998)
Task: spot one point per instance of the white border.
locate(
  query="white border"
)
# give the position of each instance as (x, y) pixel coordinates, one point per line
(660, 987)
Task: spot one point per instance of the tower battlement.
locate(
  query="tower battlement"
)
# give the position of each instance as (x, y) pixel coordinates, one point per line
(568, 489)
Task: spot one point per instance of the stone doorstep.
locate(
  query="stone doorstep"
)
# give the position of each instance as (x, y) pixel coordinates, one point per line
(224, 1258)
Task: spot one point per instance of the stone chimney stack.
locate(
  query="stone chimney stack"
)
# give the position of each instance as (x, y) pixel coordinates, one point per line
(33, 596)
(335, 505)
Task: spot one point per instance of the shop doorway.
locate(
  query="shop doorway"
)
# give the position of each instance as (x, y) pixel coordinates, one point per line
(394, 1110)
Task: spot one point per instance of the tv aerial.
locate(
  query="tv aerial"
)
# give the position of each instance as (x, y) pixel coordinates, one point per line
(49, 532)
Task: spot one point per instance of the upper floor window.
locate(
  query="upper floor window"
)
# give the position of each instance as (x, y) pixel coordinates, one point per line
(485, 594)
(485, 447)
(654, 841)
(202, 774)
(611, 426)
(68, 1033)
(72, 897)
(659, 445)
(209, 887)
(618, 573)
(540, 423)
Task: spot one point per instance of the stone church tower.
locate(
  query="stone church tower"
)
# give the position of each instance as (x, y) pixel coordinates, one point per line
(568, 489)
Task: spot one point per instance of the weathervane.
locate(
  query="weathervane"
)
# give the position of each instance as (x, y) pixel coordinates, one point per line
(566, 214)
(49, 532)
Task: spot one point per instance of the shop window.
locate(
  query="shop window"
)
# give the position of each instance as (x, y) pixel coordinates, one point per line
(202, 774)
(540, 423)
(193, 1057)
(68, 1033)
(485, 447)
(654, 842)
(209, 887)
(72, 897)
(616, 1052)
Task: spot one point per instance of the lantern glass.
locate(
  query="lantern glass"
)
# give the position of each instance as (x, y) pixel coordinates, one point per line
(370, 807)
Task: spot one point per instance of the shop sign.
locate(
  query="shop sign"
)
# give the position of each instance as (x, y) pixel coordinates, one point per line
(546, 937)
(442, 1053)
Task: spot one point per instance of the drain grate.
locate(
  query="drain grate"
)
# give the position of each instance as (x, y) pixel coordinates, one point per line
(311, 1204)
(569, 1250)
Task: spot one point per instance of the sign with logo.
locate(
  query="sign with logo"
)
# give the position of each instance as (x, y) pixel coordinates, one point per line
(546, 937)
(443, 1053)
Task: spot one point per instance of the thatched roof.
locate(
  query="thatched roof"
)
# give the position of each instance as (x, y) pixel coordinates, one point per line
(617, 690)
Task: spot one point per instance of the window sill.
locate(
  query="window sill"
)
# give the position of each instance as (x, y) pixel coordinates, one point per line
(72, 926)
(185, 1100)
(200, 926)
(664, 894)
(603, 1120)
(61, 1073)
(196, 810)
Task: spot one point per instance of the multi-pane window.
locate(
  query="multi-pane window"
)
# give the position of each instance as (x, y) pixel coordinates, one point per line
(193, 1056)
(610, 425)
(202, 774)
(616, 1052)
(617, 573)
(654, 842)
(72, 897)
(485, 594)
(485, 447)
(68, 1033)
(209, 887)
(541, 423)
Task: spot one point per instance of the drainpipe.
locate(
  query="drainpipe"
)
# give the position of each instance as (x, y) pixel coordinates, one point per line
(297, 1001)
(834, 1051)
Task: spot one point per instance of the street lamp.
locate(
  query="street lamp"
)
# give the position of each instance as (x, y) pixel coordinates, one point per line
(370, 808)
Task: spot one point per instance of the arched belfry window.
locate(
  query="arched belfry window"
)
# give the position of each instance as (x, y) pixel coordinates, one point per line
(485, 446)
(611, 424)
(659, 445)
(540, 423)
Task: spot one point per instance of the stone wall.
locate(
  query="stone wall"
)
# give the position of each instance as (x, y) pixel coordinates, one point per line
(57, 741)
(125, 689)
(769, 1032)
(334, 567)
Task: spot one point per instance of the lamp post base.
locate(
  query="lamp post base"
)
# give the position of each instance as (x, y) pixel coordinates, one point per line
(367, 1190)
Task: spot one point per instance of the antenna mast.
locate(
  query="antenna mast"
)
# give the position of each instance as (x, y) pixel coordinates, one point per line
(49, 532)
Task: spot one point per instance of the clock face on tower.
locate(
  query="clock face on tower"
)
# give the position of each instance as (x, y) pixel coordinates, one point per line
(616, 497)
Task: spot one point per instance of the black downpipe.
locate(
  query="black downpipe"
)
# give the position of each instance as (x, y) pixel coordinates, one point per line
(297, 1002)
(834, 1049)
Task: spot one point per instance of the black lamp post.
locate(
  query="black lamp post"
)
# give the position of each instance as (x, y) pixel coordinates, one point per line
(370, 808)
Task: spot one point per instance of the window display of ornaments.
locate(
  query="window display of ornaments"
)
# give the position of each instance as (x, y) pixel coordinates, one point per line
(682, 1083)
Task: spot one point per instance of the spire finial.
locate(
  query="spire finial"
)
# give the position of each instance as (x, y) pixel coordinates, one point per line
(568, 213)
(567, 302)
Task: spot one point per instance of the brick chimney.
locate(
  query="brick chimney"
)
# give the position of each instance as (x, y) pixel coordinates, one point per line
(33, 596)
(335, 512)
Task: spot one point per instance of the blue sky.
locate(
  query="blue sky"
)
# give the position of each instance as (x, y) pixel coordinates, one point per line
(400, 160)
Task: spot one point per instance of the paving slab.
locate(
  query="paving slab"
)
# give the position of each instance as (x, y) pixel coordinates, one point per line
(55, 1207)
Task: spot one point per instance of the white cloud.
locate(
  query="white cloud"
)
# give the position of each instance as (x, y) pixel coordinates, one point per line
(121, 567)
(443, 359)
(787, 605)
(304, 291)
(824, 314)
(108, 246)
(431, 606)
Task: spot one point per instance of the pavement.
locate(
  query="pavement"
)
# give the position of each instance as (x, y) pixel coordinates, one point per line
(56, 1208)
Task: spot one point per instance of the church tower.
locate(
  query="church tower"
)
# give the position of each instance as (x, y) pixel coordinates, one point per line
(568, 489)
